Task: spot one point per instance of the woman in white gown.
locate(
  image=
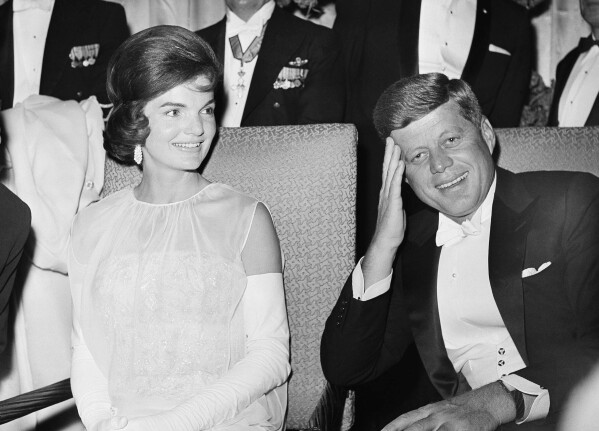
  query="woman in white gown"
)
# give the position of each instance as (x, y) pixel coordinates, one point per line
(179, 311)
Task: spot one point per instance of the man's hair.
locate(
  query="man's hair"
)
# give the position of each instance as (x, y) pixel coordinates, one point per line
(145, 66)
(412, 98)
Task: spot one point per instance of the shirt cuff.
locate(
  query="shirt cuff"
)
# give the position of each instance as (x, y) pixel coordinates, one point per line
(377, 289)
(536, 398)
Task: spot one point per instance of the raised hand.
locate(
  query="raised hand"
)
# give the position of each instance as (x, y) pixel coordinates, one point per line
(391, 220)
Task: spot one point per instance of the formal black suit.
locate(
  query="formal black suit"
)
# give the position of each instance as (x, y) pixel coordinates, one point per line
(15, 221)
(552, 316)
(562, 73)
(287, 37)
(73, 23)
(380, 46)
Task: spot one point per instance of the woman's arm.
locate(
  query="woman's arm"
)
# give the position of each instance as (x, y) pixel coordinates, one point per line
(88, 383)
(266, 364)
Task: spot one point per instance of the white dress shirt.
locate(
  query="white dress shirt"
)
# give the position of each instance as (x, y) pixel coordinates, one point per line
(476, 340)
(581, 90)
(30, 28)
(445, 36)
(246, 31)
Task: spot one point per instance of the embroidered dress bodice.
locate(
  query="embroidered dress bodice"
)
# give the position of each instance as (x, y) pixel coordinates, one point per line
(160, 298)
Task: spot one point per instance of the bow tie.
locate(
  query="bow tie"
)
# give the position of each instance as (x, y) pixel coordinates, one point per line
(455, 232)
(21, 5)
(586, 43)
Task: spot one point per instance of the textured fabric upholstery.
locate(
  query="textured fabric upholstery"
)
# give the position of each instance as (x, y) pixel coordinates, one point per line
(548, 148)
(307, 177)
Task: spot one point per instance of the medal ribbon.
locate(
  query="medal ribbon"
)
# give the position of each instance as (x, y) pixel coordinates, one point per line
(251, 52)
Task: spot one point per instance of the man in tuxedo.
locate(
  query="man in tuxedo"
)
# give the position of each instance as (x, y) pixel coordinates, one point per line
(57, 48)
(496, 276)
(487, 43)
(278, 69)
(576, 96)
(15, 221)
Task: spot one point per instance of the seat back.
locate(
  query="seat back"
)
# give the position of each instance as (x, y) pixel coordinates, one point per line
(307, 177)
(548, 148)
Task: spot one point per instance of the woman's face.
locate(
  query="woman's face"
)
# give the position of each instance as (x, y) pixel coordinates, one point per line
(182, 127)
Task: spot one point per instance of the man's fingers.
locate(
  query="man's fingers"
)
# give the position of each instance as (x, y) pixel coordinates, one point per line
(405, 420)
(392, 167)
(388, 149)
(395, 188)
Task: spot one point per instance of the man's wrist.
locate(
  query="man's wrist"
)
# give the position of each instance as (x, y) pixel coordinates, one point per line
(377, 263)
(517, 398)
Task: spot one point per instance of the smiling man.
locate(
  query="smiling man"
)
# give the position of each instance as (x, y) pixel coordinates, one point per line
(495, 278)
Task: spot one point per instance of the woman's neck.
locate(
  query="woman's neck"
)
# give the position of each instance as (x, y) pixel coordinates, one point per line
(166, 189)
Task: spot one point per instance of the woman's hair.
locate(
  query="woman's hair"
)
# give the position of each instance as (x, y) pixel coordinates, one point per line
(145, 66)
(412, 98)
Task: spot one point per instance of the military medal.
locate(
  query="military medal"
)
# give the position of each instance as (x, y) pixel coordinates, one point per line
(246, 56)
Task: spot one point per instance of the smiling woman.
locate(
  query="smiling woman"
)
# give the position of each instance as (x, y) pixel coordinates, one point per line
(179, 313)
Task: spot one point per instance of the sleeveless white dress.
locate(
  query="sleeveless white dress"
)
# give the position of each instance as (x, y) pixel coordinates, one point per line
(158, 295)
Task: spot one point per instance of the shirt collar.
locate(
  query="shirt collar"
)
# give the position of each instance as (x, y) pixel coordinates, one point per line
(482, 214)
(21, 5)
(256, 22)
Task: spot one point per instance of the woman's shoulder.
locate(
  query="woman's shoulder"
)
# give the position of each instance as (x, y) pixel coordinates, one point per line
(230, 195)
(101, 212)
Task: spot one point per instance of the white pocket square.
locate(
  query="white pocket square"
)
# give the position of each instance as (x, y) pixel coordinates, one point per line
(531, 271)
(498, 49)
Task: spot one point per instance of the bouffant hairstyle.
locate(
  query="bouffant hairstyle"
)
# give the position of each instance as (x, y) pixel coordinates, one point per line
(145, 66)
(412, 98)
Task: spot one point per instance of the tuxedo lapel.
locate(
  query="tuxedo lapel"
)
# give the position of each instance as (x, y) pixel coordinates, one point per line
(480, 41)
(409, 24)
(217, 40)
(420, 260)
(66, 21)
(6, 56)
(280, 41)
(511, 221)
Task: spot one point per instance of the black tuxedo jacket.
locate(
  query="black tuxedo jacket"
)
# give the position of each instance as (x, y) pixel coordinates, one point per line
(562, 73)
(73, 23)
(15, 221)
(287, 37)
(552, 316)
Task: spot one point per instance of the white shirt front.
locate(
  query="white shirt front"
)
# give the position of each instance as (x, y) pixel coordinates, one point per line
(445, 36)
(580, 91)
(476, 339)
(235, 95)
(30, 28)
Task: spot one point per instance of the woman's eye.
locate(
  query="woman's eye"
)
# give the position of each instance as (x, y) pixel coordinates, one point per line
(172, 113)
(209, 110)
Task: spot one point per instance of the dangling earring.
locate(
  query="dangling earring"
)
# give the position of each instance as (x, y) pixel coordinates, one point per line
(138, 155)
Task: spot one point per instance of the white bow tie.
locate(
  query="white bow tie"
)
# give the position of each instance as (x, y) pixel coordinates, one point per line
(21, 5)
(454, 232)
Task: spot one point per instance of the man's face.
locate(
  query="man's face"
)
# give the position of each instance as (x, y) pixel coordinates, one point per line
(590, 12)
(448, 160)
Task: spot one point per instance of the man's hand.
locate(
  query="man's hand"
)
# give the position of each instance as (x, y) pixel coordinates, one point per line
(482, 409)
(391, 220)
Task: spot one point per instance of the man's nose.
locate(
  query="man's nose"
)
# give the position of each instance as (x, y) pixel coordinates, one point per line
(439, 161)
